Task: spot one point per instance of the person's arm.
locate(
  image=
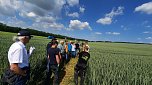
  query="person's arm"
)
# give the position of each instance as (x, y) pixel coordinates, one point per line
(57, 59)
(48, 57)
(60, 56)
(17, 70)
(88, 57)
(66, 48)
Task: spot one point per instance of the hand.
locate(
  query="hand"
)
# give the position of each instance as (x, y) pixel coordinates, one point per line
(58, 65)
(31, 50)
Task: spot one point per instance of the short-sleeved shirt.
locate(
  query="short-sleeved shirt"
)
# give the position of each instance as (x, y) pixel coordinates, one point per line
(18, 54)
(52, 52)
(77, 46)
(83, 57)
(69, 47)
(61, 47)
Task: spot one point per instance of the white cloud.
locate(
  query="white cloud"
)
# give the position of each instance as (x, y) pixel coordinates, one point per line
(47, 26)
(8, 7)
(109, 17)
(49, 6)
(76, 24)
(116, 12)
(73, 2)
(75, 14)
(147, 32)
(113, 33)
(148, 26)
(104, 21)
(146, 8)
(148, 38)
(48, 19)
(18, 23)
(98, 33)
(39, 8)
(122, 26)
(82, 9)
(31, 14)
(41, 14)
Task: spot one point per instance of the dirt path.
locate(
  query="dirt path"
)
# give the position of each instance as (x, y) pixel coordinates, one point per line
(69, 73)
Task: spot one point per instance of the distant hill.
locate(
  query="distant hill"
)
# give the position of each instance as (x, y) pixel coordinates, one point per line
(5, 28)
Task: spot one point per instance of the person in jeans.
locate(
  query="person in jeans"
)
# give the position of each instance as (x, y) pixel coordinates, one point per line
(81, 66)
(53, 65)
(73, 50)
(62, 53)
(19, 71)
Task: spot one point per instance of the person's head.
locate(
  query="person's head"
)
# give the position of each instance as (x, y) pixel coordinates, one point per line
(82, 43)
(61, 42)
(23, 36)
(72, 43)
(86, 48)
(54, 44)
(53, 39)
(86, 42)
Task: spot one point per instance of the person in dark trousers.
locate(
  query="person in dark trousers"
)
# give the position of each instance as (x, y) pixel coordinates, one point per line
(77, 48)
(81, 66)
(50, 44)
(53, 65)
(19, 71)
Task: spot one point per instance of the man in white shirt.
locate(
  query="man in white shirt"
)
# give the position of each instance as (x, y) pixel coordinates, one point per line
(18, 58)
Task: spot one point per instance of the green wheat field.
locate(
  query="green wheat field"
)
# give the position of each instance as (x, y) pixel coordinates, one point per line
(110, 63)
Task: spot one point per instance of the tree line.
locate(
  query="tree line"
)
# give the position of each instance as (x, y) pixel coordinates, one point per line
(5, 28)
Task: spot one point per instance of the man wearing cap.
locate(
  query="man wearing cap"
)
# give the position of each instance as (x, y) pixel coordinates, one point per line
(18, 57)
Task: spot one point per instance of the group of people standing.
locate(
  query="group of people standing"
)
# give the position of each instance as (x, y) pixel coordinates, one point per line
(58, 53)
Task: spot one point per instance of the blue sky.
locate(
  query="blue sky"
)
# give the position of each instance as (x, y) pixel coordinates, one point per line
(114, 20)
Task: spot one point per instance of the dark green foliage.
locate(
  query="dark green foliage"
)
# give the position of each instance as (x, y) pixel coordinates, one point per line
(5, 28)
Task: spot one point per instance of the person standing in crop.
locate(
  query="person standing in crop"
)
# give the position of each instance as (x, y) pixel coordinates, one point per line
(54, 61)
(18, 57)
(81, 66)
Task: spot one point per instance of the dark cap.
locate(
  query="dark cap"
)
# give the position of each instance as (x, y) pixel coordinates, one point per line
(24, 33)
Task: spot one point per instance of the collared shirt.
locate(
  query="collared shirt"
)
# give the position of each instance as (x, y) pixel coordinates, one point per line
(73, 47)
(18, 54)
(61, 47)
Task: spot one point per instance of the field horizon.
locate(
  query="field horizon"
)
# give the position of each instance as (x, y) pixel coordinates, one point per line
(110, 63)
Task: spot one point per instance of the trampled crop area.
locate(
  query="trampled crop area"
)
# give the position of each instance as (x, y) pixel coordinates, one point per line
(110, 63)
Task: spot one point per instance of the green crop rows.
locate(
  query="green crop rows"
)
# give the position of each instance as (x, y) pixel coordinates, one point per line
(120, 64)
(37, 60)
(110, 63)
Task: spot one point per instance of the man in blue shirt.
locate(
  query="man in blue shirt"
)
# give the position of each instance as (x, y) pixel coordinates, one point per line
(69, 49)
